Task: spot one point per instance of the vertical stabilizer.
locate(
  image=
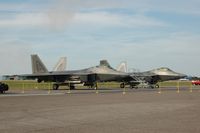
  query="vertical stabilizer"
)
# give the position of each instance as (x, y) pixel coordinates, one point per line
(37, 65)
(104, 63)
(61, 65)
(122, 67)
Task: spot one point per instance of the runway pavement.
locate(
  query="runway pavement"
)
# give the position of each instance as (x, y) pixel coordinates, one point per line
(109, 111)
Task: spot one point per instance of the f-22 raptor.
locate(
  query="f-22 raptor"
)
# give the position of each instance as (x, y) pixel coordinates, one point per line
(151, 78)
(100, 73)
(86, 77)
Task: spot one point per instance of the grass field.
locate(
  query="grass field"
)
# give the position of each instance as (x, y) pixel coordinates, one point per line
(21, 84)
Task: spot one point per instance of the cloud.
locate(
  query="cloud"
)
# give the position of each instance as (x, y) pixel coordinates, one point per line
(62, 12)
(24, 20)
(119, 20)
(97, 19)
(57, 14)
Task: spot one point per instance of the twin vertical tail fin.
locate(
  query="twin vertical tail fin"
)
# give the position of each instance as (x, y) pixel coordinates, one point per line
(37, 65)
(122, 67)
(61, 65)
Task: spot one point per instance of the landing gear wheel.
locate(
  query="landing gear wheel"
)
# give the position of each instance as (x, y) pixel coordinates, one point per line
(72, 87)
(157, 86)
(55, 86)
(95, 86)
(122, 85)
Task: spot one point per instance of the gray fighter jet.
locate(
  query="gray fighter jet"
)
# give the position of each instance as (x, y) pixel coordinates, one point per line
(101, 73)
(87, 77)
(151, 78)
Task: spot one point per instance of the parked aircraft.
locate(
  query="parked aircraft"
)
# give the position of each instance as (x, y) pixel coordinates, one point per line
(101, 73)
(87, 77)
(152, 77)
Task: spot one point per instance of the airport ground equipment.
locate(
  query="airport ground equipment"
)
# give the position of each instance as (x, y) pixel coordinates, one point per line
(195, 82)
(3, 87)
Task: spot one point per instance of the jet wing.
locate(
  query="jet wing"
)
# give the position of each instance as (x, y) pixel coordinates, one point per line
(55, 76)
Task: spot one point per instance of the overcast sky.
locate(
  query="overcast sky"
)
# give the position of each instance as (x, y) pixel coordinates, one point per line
(146, 33)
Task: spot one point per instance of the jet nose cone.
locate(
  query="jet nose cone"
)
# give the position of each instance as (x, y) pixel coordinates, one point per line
(182, 75)
(179, 76)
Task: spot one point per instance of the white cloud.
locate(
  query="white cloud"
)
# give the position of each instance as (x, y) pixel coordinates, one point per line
(110, 19)
(59, 21)
(24, 20)
(58, 14)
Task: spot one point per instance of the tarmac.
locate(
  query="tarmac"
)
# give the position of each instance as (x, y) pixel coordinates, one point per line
(105, 111)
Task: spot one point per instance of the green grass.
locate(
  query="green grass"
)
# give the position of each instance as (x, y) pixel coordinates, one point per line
(26, 85)
(175, 84)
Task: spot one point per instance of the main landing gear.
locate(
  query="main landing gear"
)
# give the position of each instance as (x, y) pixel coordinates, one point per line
(56, 86)
(122, 85)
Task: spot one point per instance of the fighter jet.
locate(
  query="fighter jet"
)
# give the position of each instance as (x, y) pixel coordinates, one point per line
(152, 77)
(101, 73)
(86, 77)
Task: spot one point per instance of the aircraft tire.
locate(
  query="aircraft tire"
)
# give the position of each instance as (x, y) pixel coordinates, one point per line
(157, 86)
(122, 85)
(72, 87)
(55, 86)
(94, 86)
